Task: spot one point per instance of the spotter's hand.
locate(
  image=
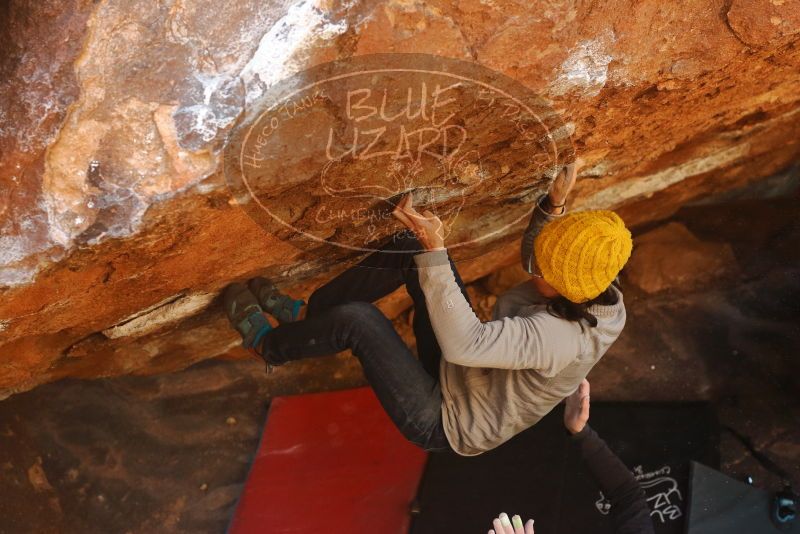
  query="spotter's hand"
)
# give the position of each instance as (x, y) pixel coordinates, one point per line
(502, 525)
(576, 412)
(428, 228)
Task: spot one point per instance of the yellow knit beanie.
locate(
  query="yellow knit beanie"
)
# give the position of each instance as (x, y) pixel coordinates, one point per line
(581, 253)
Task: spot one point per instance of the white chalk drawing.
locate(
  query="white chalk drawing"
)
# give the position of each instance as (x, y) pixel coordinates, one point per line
(356, 136)
(603, 505)
(663, 496)
(439, 142)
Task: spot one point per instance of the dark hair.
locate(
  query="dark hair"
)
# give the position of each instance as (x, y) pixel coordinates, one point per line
(572, 311)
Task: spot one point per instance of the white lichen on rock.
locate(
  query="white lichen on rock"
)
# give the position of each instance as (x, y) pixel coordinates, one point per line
(586, 68)
(283, 48)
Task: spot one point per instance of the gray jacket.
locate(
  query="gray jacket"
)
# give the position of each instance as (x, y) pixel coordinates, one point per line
(501, 377)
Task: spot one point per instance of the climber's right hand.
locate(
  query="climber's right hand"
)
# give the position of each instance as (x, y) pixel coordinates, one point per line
(428, 228)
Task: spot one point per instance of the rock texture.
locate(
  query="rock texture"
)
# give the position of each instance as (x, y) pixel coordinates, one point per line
(117, 230)
(671, 256)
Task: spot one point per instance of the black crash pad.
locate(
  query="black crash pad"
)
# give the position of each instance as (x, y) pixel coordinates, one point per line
(539, 475)
(719, 504)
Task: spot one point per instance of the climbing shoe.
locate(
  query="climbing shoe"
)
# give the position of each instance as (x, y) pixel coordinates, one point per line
(281, 306)
(246, 316)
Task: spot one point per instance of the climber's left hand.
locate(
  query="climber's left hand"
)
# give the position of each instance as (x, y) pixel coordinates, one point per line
(428, 228)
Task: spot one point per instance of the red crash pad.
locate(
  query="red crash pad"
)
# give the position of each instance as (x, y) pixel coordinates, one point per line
(329, 463)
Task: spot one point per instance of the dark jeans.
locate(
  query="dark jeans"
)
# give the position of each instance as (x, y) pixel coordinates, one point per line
(341, 316)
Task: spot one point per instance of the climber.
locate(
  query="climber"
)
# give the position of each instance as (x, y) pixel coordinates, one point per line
(476, 384)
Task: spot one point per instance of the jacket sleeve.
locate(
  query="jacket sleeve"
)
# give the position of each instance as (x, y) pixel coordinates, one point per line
(539, 218)
(629, 508)
(539, 341)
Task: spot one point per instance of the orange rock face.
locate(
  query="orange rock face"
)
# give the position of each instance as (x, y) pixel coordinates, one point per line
(671, 257)
(117, 228)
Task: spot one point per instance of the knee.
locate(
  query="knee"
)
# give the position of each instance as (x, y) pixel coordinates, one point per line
(358, 313)
(360, 323)
(322, 300)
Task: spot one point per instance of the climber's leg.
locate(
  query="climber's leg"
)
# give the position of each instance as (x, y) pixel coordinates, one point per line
(410, 396)
(379, 274)
(374, 277)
